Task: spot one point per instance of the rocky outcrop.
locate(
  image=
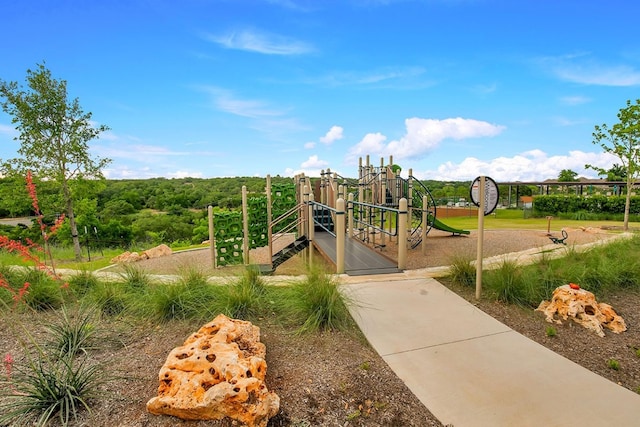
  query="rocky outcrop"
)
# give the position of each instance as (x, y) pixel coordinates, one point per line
(156, 252)
(218, 372)
(570, 301)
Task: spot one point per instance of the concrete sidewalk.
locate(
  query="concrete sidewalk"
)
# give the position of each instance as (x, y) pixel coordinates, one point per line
(471, 370)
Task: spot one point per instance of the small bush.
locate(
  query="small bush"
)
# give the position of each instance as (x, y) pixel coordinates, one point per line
(317, 303)
(111, 298)
(135, 278)
(245, 297)
(462, 271)
(83, 281)
(56, 380)
(192, 277)
(551, 331)
(72, 333)
(43, 292)
(507, 284)
(48, 389)
(182, 300)
(613, 364)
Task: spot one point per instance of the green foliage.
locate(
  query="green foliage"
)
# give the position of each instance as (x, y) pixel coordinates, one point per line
(191, 297)
(44, 292)
(51, 389)
(317, 303)
(111, 298)
(82, 281)
(623, 141)
(567, 175)
(54, 133)
(462, 271)
(613, 364)
(135, 278)
(55, 381)
(244, 298)
(72, 333)
(596, 206)
(551, 331)
(508, 283)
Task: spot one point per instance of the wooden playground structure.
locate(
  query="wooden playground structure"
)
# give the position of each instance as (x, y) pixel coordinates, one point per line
(348, 220)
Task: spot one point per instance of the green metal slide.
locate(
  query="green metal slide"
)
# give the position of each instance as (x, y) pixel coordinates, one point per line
(439, 225)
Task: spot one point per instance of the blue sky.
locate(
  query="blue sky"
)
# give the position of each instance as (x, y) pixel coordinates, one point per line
(452, 89)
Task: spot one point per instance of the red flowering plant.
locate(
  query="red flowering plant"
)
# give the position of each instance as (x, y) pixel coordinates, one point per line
(29, 250)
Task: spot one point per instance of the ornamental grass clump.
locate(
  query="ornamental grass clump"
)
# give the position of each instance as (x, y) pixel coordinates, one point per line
(245, 298)
(55, 380)
(317, 303)
(462, 271)
(507, 283)
(135, 278)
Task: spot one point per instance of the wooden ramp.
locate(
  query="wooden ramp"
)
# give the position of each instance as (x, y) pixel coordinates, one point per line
(359, 260)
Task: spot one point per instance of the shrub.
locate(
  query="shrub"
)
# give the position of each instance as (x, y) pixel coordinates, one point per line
(507, 284)
(54, 381)
(46, 389)
(72, 334)
(43, 292)
(82, 282)
(462, 271)
(245, 297)
(317, 303)
(135, 278)
(111, 298)
(181, 300)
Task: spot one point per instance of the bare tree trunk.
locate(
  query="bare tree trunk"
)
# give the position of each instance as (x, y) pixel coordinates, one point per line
(77, 250)
(627, 207)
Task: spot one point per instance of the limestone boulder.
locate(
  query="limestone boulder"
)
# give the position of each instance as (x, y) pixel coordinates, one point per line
(581, 306)
(126, 257)
(218, 372)
(157, 252)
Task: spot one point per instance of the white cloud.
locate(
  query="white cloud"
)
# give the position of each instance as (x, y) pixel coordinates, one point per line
(534, 165)
(423, 136)
(580, 68)
(226, 101)
(260, 42)
(309, 145)
(574, 100)
(313, 162)
(564, 121)
(185, 174)
(334, 134)
(310, 167)
(371, 144)
(396, 77)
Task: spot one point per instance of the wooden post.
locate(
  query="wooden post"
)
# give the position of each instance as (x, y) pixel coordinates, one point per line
(350, 215)
(425, 219)
(402, 231)
(212, 238)
(310, 228)
(245, 226)
(481, 209)
(269, 219)
(340, 236)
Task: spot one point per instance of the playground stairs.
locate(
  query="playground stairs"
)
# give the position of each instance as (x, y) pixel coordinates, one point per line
(322, 219)
(286, 253)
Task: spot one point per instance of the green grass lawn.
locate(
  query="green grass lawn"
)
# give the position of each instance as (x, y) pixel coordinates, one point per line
(514, 219)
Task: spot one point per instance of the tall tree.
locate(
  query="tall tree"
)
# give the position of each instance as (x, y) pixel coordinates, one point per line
(623, 141)
(54, 133)
(567, 175)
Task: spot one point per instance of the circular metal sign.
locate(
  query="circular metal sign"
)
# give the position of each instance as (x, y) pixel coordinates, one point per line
(490, 194)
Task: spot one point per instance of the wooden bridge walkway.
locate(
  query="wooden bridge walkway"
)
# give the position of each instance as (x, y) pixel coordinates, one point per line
(359, 260)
